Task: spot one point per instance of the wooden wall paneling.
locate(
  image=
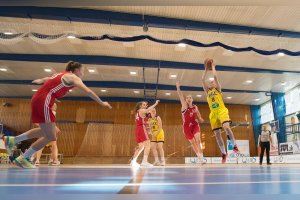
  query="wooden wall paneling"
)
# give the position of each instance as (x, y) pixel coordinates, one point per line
(66, 140)
(119, 140)
(17, 115)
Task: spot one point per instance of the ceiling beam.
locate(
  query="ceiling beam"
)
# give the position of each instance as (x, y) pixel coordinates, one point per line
(132, 85)
(126, 19)
(130, 62)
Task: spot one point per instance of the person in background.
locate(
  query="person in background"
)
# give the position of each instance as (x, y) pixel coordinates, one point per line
(158, 138)
(142, 135)
(264, 141)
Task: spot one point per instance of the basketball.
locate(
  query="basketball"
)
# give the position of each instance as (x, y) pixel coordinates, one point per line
(208, 63)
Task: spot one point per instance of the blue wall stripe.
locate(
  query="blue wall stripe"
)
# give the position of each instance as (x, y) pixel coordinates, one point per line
(108, 17)
(134, 62)
(132, 85)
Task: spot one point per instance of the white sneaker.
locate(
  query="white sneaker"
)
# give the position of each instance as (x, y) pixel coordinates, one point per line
(201, 160)
(156, 163)
(57, 163)
(163, 163)
(134, 164)
(146, 164)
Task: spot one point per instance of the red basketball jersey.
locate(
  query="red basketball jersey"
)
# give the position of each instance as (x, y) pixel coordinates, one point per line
(189, 116)
(140, 121)
(53, 88)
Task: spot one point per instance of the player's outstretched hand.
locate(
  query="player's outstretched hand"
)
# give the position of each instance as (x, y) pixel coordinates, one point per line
(177, 84)
(37, 81)
(106, 104)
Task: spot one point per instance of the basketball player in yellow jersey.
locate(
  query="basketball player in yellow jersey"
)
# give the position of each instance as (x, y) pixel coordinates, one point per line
(219, 115)
(158, 138)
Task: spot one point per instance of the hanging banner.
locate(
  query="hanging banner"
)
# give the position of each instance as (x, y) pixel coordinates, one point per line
(292, 128)
(289, 148)
(281, 159)
(2, 145)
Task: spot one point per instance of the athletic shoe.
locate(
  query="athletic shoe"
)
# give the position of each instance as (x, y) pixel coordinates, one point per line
(56, 163)
(134, 164)
(36, 163)
(224, 157)
(235, 149)
(269, 163)
(24, 162)
(201, 161)
(9, 144)
(163, 163)
(156, 163)
(146, 164)
(50, 162)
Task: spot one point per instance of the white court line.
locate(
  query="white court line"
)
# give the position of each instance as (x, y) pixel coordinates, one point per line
(145, 184)
(202, 174)
(206, 167)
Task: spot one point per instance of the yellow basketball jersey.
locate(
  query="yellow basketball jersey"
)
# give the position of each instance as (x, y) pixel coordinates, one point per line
(153, 125)
(215, 100)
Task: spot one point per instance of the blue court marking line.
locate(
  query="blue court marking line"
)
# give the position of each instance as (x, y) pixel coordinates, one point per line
(147, 184)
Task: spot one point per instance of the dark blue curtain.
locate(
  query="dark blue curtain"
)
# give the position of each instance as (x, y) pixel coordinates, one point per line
(255, 113)
(153, 39)
(279, 110)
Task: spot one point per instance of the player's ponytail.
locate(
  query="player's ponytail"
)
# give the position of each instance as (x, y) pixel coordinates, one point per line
(71, 66)
(137, 107)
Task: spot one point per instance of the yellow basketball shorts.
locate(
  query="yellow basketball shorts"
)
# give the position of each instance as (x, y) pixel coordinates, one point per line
(218, 118)
(160, 137)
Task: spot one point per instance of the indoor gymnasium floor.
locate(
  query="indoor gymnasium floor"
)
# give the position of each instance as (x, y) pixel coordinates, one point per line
(173, 179)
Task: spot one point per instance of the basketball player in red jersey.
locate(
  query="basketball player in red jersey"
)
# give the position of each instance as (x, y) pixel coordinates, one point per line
(42, 101)
(191, 119)
(141, 133)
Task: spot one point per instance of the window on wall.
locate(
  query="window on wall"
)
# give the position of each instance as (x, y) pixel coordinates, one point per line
(266, 112)
(292, 100)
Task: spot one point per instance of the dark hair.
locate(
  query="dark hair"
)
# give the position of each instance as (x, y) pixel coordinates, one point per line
(71, 66)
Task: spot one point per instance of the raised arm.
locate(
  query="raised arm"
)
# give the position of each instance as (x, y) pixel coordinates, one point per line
(216, 76)
(77, 82)
(205, 86)
(145, 111)
(41, 80)
(182, 100)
